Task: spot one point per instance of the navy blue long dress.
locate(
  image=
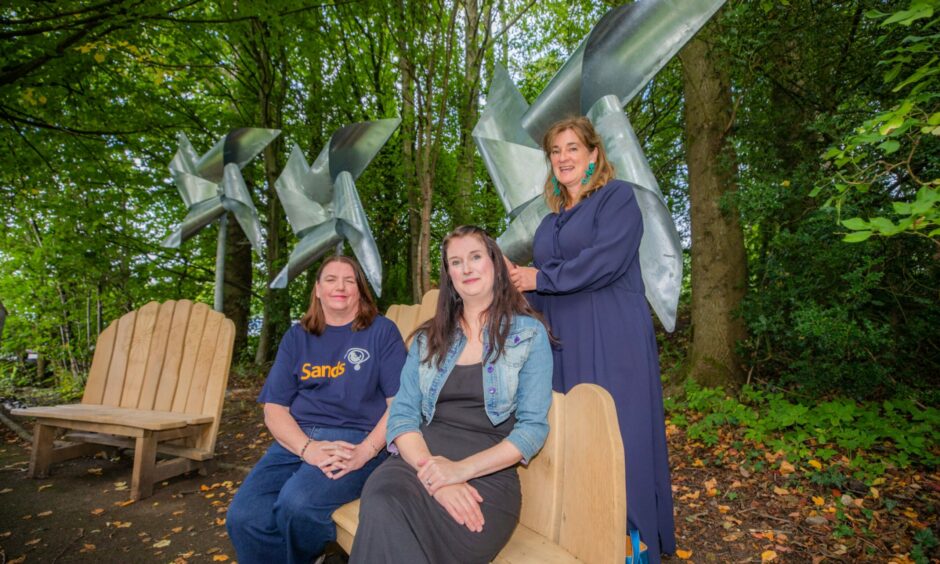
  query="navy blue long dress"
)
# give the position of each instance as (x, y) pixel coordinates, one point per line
(590, 290)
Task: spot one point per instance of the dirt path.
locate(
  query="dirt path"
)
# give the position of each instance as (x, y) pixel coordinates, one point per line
(725, 510)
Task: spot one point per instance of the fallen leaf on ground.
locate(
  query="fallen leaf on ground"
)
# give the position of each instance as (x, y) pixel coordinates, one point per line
(44, 514)
(44, 487)
(786, 468)
(781, 491)
(162, 544)
(6, 490)
(124, 503)
(176, 529)
(768, 556)
(97, 511)
(220, 521)
(19, 560)
(684, 554)
(815, 464)
(219, 558)
(818, 501)
(95, 471)
(31, 542)
(87, 548)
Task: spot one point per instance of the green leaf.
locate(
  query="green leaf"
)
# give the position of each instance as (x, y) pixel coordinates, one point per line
(856, 223)
(892, 124)
(901, 208)
(884, 226)
(857, 237)
(815, 191)
(934, 119)
(890, 146)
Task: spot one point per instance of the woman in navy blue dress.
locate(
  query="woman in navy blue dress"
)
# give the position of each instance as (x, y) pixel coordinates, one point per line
(586, 282)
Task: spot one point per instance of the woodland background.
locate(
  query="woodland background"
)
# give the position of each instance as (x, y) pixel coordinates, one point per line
(797, 143)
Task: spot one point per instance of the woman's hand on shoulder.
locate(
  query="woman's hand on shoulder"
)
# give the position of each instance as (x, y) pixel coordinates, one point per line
(331, 457)
(437, 472)
(462, 502)
(523, 278)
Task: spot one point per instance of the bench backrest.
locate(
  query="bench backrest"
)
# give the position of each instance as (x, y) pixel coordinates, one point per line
(173, 356)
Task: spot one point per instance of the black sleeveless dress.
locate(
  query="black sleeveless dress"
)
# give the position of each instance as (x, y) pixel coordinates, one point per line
(399, 521)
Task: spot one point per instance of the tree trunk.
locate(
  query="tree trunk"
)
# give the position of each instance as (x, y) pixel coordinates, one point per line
(476, 40)
(3, 320)
(718, 256)
(236, 291)
(270, 80)
(408, 160)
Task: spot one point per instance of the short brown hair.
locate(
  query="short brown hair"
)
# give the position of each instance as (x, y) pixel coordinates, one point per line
(315, 322)
(603, 170)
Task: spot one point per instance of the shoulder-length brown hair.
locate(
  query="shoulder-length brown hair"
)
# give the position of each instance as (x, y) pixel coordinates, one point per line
(441, 330)
(315, 322)
(603, 170)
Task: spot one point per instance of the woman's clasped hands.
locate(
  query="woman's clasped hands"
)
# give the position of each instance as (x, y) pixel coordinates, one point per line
(446, 481)
(338, 458)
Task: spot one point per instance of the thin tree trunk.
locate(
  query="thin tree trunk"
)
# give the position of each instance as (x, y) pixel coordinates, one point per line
(271, 89)
(718, 256)
(236, 292)
(3, 319)
(477, 39)
(410, 174)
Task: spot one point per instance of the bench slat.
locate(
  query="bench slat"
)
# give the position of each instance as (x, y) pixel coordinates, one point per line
(117, 371)
(144, 419)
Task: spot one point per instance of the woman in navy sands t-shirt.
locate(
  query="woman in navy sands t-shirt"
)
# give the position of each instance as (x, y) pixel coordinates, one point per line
(325, 402)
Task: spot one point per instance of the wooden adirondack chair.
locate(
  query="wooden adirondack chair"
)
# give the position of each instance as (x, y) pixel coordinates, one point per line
(157, 382)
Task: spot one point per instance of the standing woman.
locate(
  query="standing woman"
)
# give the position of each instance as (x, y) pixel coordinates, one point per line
(474, 399)
(325, 403)
(587, 284)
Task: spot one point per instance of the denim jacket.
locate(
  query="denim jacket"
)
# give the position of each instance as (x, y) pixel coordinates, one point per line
(519, 381)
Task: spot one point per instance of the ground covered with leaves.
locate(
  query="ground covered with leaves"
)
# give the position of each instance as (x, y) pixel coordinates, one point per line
(743, 492)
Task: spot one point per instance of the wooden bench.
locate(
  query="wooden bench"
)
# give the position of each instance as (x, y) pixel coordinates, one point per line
(156, 383)
(573, 496)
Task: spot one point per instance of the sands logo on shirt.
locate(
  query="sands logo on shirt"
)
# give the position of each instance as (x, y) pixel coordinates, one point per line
(357, 356)
(322, 370)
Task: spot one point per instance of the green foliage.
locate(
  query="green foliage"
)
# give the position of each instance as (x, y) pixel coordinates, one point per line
(895, 151)
(870, 436)
(924, 544)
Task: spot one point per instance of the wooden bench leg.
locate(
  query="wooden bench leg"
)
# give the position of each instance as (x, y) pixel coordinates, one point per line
(41, 457)
(145, 460)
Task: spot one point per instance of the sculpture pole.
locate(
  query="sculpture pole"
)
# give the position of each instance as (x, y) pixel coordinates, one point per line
(220, 263)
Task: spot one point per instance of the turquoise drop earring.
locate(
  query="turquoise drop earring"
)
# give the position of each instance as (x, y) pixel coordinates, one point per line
(555, 184)
(588, 174)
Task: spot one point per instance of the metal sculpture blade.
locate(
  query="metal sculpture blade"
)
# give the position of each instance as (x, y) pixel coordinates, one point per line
(212, 184)
(323, 205)
(612, 64)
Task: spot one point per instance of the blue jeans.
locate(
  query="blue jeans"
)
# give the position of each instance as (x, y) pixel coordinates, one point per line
(282, 511)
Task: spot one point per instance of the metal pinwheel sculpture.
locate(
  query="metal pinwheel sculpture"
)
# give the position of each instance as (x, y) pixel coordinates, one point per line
(322, 203)
(618, 57)
(212, 185)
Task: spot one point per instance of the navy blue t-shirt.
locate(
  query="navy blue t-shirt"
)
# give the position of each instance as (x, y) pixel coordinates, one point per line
(339, 379)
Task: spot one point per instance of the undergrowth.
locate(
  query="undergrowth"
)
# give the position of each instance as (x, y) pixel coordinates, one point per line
(828, 439)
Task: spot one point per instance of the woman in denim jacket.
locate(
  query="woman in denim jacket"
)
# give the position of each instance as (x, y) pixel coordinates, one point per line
(473, 402)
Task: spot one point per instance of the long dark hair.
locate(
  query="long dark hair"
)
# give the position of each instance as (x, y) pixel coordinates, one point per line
(441, 330)
(603, 173)
(315, 322)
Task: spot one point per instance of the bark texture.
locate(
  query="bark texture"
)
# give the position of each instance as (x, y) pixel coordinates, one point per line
(718, 256)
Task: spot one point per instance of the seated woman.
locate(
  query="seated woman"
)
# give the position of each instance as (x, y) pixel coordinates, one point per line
(474, 398)
(325, 402)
